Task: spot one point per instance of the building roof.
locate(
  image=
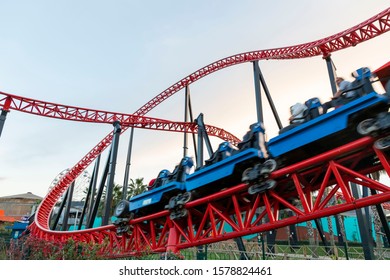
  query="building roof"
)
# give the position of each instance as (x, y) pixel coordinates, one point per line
(27, 195)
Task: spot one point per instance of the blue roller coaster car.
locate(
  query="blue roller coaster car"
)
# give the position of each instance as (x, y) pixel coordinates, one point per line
(254, 159)
(329, 130)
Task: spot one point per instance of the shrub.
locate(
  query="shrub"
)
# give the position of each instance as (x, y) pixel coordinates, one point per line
(32, 248)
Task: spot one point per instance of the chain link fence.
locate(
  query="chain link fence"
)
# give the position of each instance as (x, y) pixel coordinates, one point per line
(257, 251)
(261, 251)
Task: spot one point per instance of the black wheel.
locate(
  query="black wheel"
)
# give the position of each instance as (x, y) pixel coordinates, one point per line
(383, 143)
(262, 187)
(183, 198)
(181, 213)
(246, 175)
(122, 210)
(172, 203)
(186, 197)
(269, 166)
(367, 126)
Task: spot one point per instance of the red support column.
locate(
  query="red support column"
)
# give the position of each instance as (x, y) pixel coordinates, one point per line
(4, 111)
(172, 240)
(383, 160)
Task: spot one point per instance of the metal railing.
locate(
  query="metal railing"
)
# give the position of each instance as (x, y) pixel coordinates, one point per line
(254, 251)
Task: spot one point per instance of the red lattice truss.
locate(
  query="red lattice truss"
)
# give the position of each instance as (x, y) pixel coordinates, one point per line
(324, 175)
(206, 216)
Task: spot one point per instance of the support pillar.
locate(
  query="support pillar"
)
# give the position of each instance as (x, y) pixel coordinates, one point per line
(4, 112)
(186, 107)
(99, 193)
(383, 219)
(240, 244)
(259, 105)
(293, 236)
(260, 78)
(93, 188)
(87, 199)
(60, 209)
(271, 241)
(111, 173)
(68, 206)
(3, 116)
(260, 240)
(172, 241)
(332, 73)
(340, 237)
(241, 248)
(201, 252)
(128, 163)
(321, 233)
(367, 240)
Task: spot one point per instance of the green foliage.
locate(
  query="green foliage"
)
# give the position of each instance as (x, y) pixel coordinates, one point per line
(136, 187)
(32, 248)
(3, 249)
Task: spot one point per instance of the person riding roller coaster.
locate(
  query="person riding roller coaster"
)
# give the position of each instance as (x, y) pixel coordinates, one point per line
(347, 92)
(301, 113)
(344, 95)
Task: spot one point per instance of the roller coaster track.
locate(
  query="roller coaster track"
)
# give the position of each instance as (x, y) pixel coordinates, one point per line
(327, 175)
(72, 113)
(234, 206)
(367, 30)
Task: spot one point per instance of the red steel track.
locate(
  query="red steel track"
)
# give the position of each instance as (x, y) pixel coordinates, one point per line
(326, 175)
(72, 113)
(207, 216)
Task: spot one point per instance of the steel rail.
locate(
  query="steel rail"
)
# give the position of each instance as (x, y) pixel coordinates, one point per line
(367, 30)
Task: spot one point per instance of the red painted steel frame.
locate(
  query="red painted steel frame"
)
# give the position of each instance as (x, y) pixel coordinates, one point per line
(248, 214)
(324, 175)
(366, 30)
(205, 225)
(72, 113)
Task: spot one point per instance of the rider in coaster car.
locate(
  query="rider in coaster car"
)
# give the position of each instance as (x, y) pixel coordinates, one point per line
(297, 113)
(254, 138)
(349, 91)
(225, 149)
(178, 174)
(182, 170)
(160, 180)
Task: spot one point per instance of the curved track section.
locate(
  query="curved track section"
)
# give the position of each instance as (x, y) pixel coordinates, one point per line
(313, 183)
(72, 113)
(369, 29)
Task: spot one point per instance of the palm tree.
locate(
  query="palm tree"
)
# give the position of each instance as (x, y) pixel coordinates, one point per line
(377, 222)
(116, 196)
(136, 187)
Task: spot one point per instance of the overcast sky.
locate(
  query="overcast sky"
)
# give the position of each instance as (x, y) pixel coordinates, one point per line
(117, 55)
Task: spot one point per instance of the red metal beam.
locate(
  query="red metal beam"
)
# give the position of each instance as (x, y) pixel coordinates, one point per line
(73, 113)
(235, 207)
(362, 32)
(369, 29)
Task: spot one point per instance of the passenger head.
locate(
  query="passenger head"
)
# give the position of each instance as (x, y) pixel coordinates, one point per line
(339, 80)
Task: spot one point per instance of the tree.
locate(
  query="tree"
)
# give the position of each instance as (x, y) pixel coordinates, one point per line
(377, 222)
(136, 187)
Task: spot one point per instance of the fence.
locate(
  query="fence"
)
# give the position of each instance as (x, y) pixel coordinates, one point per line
(260, 251)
